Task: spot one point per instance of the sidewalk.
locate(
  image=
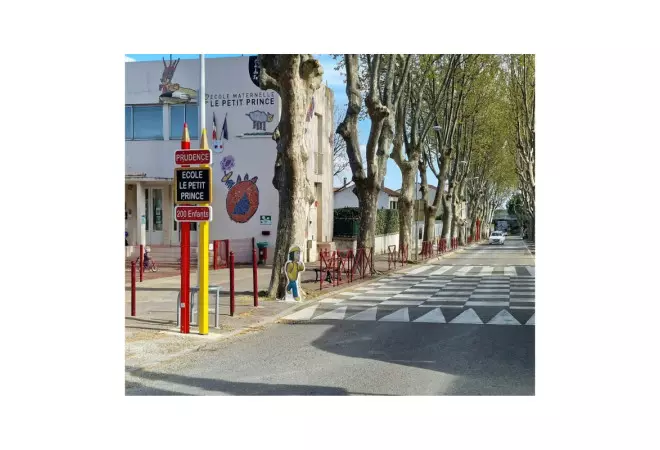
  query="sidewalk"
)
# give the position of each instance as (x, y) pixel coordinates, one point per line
(153, 336)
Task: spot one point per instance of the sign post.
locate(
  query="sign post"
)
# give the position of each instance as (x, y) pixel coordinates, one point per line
(203, 267)
(185, 255)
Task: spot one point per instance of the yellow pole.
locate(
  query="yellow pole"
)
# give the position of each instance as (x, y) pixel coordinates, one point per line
(203, 266)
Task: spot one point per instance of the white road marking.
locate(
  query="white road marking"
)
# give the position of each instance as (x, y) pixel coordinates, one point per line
(402, 302)
(433, 316)
(479, 303)
(464, 270)
(304, 314)
(400, 315)
(486, 271)
(531, 270)
(367, 314)
(510, 270)
(503, 317)
(468, 316)
(418, 270)
(337, 314)
(531, 320)
(441, 270)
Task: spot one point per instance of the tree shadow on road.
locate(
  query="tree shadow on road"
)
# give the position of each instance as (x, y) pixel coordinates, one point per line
(222, 386)
(490, 360)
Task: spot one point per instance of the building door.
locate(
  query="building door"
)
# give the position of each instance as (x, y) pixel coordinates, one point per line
(153, 205)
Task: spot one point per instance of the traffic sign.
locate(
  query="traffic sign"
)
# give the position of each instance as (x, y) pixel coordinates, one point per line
(192, 157)
(190, 213)
(193, 185)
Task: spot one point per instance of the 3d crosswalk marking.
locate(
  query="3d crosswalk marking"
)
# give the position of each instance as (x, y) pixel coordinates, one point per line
(304, 314)
(400, 315)
(418, 270)
(503, 317)
(367, 314)
(337, 314)
(441, 270)
(464, 270)
(433, 316)
(486, 271)
(467, 317)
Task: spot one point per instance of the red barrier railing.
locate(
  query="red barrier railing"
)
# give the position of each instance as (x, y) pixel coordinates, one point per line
(133, 307)
(391, 256)
(403, 253)
(363, 261)
(326, 267)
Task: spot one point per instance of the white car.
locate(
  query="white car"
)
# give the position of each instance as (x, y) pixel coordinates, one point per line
(497, 237)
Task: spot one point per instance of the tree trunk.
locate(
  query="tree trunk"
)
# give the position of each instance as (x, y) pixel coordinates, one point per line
(447, 218)
(295, 78)
(405, 205)
(368, 198)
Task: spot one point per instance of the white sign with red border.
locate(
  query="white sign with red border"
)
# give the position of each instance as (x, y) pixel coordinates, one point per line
(193, 213)
(193, 157)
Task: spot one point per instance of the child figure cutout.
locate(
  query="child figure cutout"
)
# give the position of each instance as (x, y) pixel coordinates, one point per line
(293, 268)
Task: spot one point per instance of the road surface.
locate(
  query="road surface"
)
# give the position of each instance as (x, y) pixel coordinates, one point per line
(462, 325)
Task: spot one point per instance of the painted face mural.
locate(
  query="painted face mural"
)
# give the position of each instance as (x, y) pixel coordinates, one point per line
(243, 199)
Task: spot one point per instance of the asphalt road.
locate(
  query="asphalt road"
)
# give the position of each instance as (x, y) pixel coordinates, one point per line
(468, 329)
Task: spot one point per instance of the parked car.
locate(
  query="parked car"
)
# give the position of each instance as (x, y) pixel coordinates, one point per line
(497, 237)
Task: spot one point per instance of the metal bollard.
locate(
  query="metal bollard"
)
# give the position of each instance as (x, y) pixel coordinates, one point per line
(232, 305)
(133, 307)
(254, 277)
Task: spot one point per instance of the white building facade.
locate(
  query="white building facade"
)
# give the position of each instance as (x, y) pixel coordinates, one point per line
(161, 95)
(344, 197)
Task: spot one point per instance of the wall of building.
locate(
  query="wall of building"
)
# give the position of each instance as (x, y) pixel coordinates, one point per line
(347, 199)
(243, 169)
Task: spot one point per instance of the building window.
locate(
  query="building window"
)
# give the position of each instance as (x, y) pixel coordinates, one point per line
(144, 122)
(129, 122)
(184, 113)
(393, 204)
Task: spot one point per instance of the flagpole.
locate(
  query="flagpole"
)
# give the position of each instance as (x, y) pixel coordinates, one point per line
(203, 235)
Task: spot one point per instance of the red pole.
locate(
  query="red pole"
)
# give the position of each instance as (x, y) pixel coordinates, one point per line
(185, 254)
(141, 261)
(133, 289)
(321, 270)
(254, 277)
(232, 305)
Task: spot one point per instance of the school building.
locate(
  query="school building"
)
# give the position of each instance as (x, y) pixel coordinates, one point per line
(161, 95)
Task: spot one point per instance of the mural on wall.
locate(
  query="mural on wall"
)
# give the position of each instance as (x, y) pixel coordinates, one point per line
(293, 268)
(173, 93)
(243, 194)
(253, 69)
(259, 119)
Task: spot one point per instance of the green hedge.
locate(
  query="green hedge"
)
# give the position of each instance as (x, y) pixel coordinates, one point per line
(347, 220)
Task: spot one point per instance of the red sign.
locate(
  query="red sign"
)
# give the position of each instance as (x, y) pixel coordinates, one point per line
(189, 213)
(192, 157)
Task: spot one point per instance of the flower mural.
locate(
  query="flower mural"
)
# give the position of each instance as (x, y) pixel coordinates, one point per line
(243, 195)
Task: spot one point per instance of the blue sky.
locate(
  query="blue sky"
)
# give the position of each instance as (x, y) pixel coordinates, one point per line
(335, 81)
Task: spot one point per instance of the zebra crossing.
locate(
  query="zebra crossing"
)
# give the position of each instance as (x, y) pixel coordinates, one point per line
(502, 295)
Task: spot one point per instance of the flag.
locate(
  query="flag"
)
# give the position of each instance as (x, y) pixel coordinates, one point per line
(225, 133)
(217, 145)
